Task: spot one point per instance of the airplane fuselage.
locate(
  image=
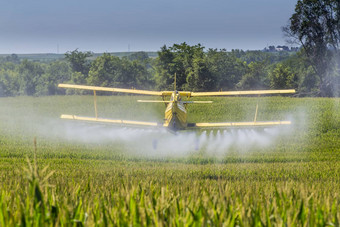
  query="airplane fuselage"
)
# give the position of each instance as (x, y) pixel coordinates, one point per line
(175, 113)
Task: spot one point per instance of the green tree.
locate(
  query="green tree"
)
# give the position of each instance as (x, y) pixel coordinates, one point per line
(9, 84)
(200, 78)
(111, 71)
(56, 72)
(190, 65)
(13, 58)
(255, 56)
(256, 76)
(282, 77)
(164, 68)
(226, 68)
(316, 26)
(140, 56)
(79, 61)
(29, 75)
(80, 65)
(309, 82)
(182, 63)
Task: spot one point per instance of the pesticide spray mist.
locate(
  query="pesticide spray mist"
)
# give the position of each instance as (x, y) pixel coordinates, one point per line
(162, 143)
(137, 141)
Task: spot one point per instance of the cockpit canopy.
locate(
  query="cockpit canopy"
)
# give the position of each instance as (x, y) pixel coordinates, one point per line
(175, 96)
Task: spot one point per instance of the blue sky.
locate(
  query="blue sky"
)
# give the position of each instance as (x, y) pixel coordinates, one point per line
(41, 26)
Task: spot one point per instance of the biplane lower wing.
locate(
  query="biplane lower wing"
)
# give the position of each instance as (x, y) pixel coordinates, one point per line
(238, 124)
(111, 121)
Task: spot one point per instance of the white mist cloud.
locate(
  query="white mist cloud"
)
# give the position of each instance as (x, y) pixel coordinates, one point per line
(149, 142)
(162, 143)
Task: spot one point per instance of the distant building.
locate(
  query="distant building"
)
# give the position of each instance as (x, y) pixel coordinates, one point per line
(280, 48)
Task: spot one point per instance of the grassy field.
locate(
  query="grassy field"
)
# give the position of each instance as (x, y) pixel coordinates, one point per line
(79, 174)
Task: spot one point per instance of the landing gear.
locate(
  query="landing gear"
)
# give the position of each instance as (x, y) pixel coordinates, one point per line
(197, 143)
(155, 144)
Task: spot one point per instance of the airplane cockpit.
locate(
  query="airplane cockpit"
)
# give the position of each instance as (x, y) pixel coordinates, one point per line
(175, 96)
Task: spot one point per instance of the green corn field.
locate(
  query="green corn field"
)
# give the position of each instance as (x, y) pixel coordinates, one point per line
(64, 173)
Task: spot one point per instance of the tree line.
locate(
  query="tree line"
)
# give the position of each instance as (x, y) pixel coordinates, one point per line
(196, 69)
(314, 70)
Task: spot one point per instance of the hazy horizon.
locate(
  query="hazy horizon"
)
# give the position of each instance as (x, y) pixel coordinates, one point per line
(38, 26)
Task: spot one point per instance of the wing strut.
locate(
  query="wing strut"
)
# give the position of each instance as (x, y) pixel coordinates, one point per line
(95, 103)
(257, 107)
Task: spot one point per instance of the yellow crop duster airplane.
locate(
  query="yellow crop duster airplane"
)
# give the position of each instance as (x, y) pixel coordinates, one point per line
(175, 112)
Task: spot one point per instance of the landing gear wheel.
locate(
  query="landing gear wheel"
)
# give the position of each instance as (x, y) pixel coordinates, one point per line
(197, 144)
(154, 144)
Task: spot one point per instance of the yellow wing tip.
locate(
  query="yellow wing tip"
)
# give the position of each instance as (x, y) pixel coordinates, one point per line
(66, 116)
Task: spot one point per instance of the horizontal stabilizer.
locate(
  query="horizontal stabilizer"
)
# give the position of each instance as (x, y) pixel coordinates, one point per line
(184, 102)
(105, 120)
(154, 101)
(196, 102)
(238, 124)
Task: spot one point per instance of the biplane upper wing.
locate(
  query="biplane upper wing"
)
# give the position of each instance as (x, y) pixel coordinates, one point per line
(237, 124)
(227, 93)
(111, 121)
(122, 90)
